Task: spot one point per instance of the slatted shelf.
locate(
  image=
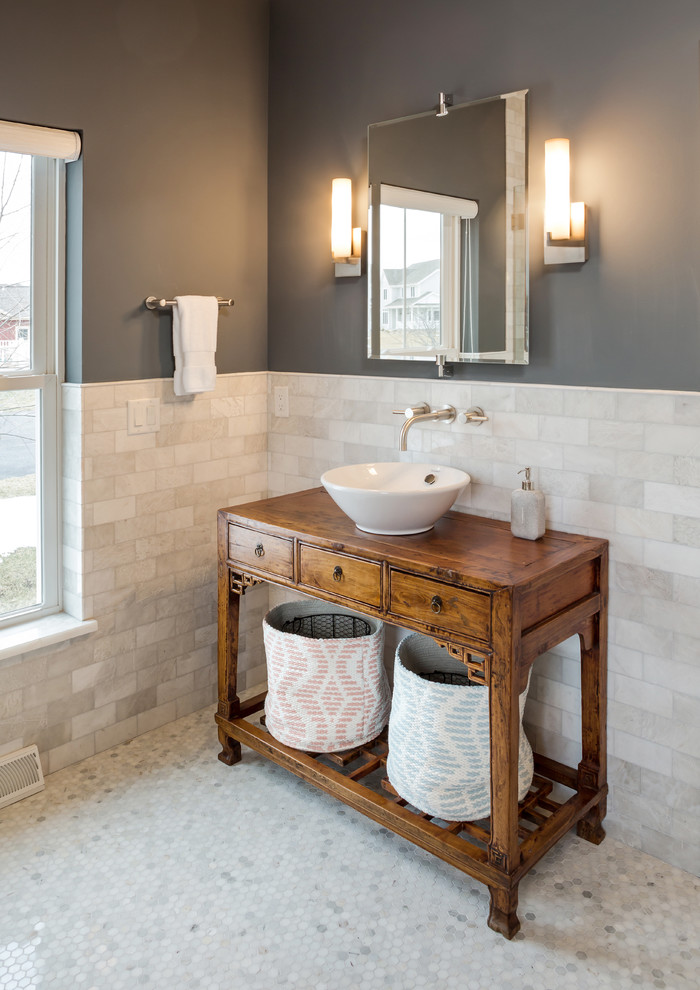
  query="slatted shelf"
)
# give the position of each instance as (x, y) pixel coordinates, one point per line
(369, 761)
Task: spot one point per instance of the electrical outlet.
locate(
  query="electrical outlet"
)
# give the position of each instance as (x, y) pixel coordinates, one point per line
(281, 405)
(142, 416)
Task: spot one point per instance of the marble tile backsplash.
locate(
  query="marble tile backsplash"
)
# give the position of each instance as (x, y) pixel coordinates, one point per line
(140, 557)
(623, 465)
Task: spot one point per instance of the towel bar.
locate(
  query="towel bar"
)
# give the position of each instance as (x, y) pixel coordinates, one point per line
(153, 302)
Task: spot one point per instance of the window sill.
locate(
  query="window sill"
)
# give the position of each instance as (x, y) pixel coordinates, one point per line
(50, 629)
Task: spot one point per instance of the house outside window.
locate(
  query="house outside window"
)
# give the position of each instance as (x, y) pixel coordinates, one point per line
(31, 327)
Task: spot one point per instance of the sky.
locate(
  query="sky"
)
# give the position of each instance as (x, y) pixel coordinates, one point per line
(423, 236)
(15, 218)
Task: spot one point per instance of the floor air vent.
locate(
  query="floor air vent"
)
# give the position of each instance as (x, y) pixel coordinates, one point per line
(20, 775)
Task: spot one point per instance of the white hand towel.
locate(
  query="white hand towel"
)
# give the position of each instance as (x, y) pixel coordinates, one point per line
(194, 343)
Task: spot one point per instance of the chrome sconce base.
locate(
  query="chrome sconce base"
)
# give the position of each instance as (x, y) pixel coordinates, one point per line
(444, 104)
(569, 250)
(352, 265)
(348, 267)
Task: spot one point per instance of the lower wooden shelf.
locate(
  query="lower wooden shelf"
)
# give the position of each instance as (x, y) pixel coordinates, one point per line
(358, 778)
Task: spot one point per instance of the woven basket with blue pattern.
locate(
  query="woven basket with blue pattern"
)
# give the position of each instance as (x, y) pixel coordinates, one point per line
(439, 752)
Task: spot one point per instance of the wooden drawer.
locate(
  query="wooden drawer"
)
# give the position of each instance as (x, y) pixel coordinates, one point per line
(341, 575)
(261, 551)
(441, 605)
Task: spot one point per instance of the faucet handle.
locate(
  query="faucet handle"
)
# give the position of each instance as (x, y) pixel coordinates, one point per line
(474, 415)
(410, 411)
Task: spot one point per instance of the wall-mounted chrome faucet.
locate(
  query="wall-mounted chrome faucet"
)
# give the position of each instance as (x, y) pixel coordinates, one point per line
(422, 413)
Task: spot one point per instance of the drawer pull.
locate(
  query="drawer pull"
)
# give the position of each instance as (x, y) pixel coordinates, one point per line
(436, 603)
(260, 550)
(337, 573)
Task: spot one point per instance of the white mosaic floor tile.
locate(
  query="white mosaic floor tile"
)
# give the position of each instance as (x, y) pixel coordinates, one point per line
(154, 865)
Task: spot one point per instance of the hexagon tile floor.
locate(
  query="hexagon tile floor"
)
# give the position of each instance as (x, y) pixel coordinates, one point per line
(154, 865)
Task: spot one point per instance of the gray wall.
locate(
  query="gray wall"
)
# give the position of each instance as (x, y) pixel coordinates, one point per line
(171, 97)
(619, 79)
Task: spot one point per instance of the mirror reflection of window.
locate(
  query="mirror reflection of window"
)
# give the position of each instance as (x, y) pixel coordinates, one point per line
(427, 270)
(410, 273)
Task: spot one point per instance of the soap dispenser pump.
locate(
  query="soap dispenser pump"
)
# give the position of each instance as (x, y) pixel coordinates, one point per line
(527, 510)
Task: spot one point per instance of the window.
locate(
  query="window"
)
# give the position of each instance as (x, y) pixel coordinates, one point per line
(31, 326)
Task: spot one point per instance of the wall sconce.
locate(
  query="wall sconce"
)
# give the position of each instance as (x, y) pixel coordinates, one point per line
(565, 223)
(346, 240)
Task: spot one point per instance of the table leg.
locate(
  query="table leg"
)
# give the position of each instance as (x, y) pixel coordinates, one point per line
(592, 770)
(503, 917)
(230, 749)
(504, 724)
(229, 602)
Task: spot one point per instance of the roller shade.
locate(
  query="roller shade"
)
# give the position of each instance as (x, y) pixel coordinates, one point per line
(26, 139)
(416, 199)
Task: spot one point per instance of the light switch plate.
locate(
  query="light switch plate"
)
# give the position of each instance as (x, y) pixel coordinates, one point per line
(142, 416)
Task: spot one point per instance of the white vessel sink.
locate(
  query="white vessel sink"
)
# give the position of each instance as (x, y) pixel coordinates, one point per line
(394, 499)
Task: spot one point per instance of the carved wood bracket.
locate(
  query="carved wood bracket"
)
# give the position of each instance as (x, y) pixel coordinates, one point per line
(238, 583)
(478, 668)
(498, 858)
(588, 636)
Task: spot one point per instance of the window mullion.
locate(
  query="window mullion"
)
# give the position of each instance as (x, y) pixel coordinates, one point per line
(49, 503)
(12, 383)
(44, 259)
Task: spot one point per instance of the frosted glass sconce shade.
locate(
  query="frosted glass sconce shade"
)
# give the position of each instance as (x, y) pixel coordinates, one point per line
(557, 201)
(565, 228)
(341, 218)
(346, 241)
(578, 221)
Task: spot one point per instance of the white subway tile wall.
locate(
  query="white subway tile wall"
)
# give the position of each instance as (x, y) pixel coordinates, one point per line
(140, 557)
(624, 465)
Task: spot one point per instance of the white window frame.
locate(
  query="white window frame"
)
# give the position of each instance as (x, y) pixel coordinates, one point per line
(46, 374)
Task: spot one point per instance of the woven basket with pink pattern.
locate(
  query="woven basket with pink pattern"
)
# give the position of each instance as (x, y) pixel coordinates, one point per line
(324, 695)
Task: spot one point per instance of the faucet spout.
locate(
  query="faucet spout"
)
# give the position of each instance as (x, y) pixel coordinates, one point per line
(446, 414)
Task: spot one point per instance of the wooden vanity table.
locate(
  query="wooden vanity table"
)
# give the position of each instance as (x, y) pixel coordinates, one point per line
(496, 603)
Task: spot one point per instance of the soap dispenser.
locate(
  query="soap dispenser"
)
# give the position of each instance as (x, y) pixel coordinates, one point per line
(527, 510)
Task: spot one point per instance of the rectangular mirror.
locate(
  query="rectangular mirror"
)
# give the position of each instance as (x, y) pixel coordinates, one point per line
(448, 271)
